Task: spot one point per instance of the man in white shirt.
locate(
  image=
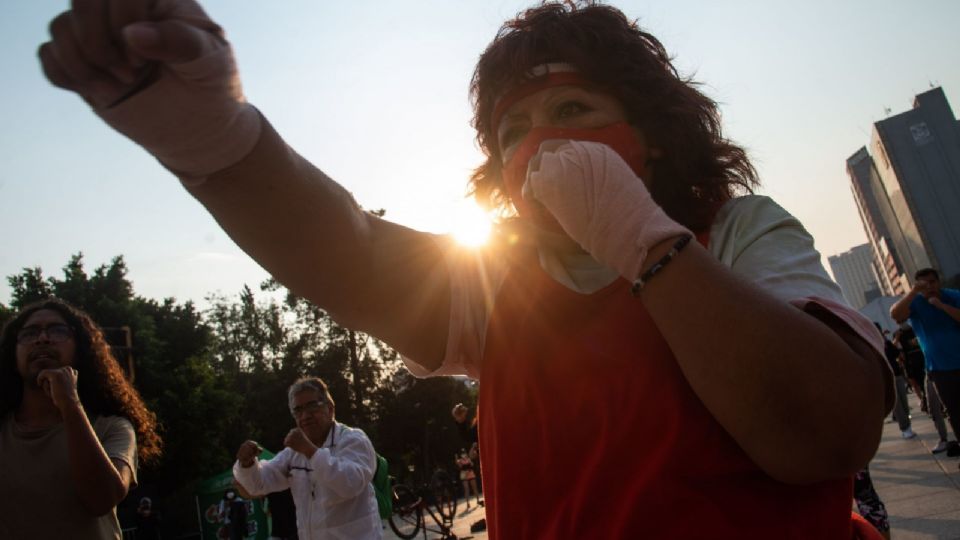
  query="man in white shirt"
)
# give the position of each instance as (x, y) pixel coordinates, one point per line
(326, 465)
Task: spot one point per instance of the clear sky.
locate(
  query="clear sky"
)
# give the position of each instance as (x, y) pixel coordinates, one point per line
(375, 94)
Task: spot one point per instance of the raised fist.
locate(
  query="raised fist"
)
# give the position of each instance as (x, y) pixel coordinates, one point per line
(160, 72)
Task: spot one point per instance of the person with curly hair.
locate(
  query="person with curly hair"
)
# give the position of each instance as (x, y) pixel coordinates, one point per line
(72, 428)
(657, 349)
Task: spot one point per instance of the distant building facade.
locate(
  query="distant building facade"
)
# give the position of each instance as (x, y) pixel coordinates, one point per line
(879, 222)
(854, 271)
(907, 190)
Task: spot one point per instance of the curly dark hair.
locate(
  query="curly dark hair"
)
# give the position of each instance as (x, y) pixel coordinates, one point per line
(699, 169)
(101, 385)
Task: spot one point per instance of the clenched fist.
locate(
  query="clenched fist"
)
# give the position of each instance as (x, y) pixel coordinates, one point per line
(160, 72)
(600, 203)
(297, 441)
(248, 452)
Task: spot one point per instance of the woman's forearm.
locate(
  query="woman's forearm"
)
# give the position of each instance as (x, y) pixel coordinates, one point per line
(805, 401)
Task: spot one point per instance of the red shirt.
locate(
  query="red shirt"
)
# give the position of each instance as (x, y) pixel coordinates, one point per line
(590, 430)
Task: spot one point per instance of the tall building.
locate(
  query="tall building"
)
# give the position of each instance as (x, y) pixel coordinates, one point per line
(907, 189)
(879, 222)
(853, 270)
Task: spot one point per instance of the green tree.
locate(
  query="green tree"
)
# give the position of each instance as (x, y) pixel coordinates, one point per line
(28, 287)
(5, 314)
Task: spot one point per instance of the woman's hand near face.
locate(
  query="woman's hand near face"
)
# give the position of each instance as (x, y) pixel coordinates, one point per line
(600, 203)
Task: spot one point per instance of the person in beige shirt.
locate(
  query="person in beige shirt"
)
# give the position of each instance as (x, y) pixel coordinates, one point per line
(72, 428)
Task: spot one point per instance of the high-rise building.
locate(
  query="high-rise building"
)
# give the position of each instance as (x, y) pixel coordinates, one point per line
(853, 270)
(907, 189)
(879, 222)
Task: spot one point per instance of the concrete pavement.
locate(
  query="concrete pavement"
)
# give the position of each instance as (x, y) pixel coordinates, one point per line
(920, 490)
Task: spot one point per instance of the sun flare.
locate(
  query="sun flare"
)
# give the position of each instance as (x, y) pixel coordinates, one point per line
(471, 226)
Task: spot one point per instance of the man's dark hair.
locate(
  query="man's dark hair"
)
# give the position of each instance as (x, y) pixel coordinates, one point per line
(101, 385)
(699, 169)
(925, 272)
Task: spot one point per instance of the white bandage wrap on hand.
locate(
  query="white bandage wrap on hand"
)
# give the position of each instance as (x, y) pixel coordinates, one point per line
(194, 118)
(601, 204)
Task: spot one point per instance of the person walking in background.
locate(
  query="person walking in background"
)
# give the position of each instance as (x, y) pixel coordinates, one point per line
(233, 514)
(474, 455)
(468, 434)
(466, 430)
(911, 359)
(72, 428)
(645, 332)
(934, 315)
(901, 409)
(326, 465)
(468, 477)
(915, 368)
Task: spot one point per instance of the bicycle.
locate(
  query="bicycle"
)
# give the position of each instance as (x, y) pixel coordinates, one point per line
(409, 508)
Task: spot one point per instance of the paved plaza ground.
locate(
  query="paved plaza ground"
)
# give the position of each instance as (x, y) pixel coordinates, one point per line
(921, 490)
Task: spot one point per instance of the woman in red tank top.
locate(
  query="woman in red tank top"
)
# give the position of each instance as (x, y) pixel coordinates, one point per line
(659, 356)
(692, 407)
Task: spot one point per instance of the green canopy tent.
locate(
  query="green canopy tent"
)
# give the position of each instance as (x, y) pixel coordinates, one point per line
(208, 497)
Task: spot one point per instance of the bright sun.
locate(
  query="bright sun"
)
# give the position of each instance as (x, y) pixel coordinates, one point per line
(471, 226)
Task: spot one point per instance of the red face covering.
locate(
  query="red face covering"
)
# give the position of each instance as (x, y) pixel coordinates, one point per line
(620, 137)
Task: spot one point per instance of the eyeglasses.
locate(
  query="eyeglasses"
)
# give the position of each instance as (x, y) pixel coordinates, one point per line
(308, 407)
(56, 333)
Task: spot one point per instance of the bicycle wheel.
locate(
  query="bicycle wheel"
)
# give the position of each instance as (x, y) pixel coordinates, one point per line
(446, 500)
(407, 517)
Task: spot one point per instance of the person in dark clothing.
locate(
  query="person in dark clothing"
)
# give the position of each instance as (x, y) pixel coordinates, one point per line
(901, 410)
(233, 513)
(466, 430)
(283, 515)
(911, 358)
(913, 365)
(147, 521)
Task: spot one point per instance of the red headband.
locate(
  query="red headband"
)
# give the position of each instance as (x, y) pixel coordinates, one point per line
(543, 76)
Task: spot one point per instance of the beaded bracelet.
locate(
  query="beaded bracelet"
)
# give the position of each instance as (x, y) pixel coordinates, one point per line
(658, 266)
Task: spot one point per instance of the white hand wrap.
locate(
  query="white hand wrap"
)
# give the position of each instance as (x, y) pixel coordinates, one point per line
(194, 118)
(601, 204)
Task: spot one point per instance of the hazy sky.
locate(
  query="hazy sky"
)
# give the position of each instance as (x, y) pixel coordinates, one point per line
(375, 94)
